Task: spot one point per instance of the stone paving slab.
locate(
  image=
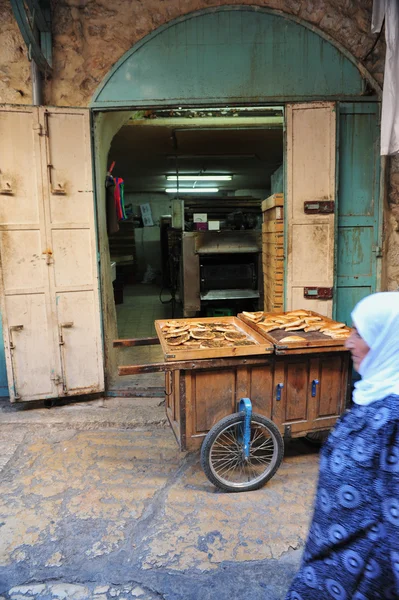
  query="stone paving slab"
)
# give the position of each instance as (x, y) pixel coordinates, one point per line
(126, 508)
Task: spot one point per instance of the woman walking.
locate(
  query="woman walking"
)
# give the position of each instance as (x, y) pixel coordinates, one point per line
(352, 551)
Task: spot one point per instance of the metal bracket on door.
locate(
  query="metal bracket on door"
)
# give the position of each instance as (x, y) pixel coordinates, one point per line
(6, 188)
(61, 343)
(59, 188)
(319, 207)
(318, 293)
(12, 348)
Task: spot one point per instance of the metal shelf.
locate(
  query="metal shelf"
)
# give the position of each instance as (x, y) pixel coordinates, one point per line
(229, 294)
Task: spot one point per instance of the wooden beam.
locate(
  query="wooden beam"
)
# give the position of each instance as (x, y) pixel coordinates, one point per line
(186, 365)
(149, 341)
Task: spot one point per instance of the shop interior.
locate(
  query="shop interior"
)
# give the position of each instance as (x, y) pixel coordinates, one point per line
(184, 218)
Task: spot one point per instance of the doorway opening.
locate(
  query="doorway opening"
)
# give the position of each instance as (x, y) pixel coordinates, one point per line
(185, 236)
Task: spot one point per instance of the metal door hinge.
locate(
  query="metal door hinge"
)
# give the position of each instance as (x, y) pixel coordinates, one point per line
(57, 379)
(377, 250)
(318, 293)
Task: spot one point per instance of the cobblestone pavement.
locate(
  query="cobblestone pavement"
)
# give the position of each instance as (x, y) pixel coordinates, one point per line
(121, 513)
(70, 591)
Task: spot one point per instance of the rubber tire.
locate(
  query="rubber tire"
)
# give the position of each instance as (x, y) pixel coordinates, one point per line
(215, 432)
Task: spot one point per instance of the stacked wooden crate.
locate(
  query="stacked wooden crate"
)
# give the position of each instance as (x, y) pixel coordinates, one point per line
(273, 252)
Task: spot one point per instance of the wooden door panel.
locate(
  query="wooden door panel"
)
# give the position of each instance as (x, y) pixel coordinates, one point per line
(261, 389)
(73, 258)
(69, 179)
(215, 397)
(28, 321)
(23, 264)
(19, 184)
(76, 316)
(30, 346)
(330, 391)
(71, 233)
(311, 139)
(297, 391)
(358, 205)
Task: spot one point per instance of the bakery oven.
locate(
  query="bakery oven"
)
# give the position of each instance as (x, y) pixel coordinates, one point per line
(221, 268)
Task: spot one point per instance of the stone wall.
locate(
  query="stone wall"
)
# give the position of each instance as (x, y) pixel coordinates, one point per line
(89, 36)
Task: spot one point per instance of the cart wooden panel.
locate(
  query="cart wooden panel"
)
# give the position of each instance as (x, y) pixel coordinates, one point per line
(312, 339)
(302, 390)
(198, 398)
(260, 344)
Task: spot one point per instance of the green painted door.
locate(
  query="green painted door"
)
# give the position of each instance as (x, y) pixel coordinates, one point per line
(358, 205)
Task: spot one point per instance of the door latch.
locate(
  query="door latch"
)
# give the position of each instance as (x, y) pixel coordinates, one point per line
(49, 255)
(279, 387)
(315, 382)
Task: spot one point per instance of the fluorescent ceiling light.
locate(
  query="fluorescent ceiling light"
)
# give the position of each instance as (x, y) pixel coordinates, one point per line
(199, 177)
(208, 190)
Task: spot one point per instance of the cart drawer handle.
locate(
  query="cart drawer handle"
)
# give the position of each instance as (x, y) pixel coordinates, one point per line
(314, 383)
(278, 391)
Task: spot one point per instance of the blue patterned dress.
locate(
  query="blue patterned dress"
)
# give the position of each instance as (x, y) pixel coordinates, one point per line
(352, 551)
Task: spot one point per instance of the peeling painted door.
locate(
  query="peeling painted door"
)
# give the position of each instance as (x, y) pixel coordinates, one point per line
(358, 205)
(310, 176)
(49, 276)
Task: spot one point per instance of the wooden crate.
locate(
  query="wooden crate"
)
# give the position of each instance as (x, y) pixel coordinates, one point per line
(260, 344)
(273, 252)
(313, 340)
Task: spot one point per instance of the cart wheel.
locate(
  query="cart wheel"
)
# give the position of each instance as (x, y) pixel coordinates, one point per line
(223, 459)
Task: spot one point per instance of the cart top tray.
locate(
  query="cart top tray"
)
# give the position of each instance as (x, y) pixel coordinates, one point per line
(210, 337)
(310, 339)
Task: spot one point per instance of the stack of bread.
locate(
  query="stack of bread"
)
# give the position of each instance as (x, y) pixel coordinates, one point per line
(199, 335)
(298, 320)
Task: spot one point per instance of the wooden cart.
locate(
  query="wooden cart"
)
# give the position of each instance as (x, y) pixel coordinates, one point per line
(300, 389)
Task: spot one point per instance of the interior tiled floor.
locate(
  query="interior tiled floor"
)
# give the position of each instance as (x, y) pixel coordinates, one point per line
(135, 317)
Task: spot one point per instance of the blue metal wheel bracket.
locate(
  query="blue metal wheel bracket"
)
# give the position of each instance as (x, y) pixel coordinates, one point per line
(245, 406)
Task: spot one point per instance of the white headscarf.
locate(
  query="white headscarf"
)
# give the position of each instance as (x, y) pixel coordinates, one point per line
(376, 318)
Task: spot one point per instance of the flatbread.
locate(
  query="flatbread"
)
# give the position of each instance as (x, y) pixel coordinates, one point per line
(192, 343)
(226, 327)
(253, 316)
(201, 334)
(338, 334)
(312, 327)
(296, 328)
(178, 340)
(235, 336)
(267, 328)
(334, 326)
(174, 332)
(312, 319)
(292, 338)
(298, 313)
(212, 344)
